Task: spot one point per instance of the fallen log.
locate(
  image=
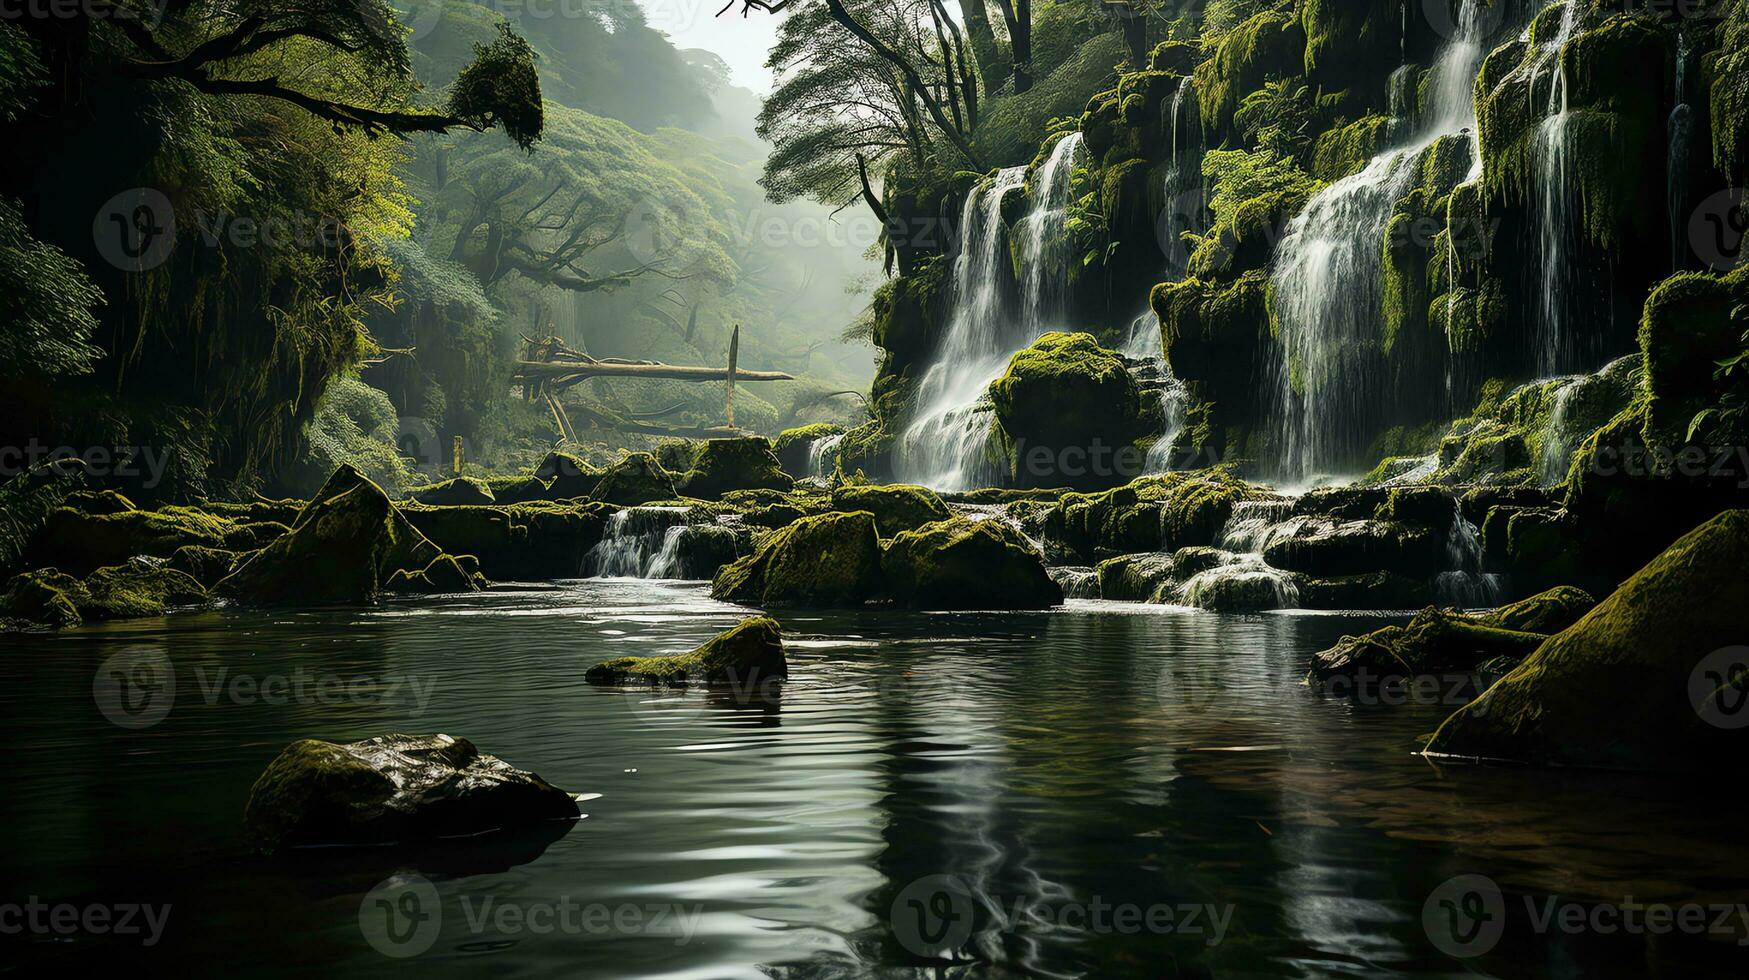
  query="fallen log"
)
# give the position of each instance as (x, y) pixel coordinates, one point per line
(549, 370)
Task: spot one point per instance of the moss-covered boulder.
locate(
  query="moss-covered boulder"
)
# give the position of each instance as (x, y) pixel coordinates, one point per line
(393, 789)
(1436, 642)
(826, 560)
(1156, 513)
(563, 476)
(722, 465)
(78, 542)
(746, 656)
(1325, 547)
(1071, 404)
(896, 508)
(1646, 680)
(635, 479)
(461, 491)
(1134, 578)
(343, 548)
(965, 564)
(53, 599)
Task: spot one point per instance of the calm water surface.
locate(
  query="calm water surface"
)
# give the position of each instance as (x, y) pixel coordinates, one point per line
(1099, 791)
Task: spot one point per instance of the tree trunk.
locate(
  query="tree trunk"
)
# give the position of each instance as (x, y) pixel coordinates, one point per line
(993, 65)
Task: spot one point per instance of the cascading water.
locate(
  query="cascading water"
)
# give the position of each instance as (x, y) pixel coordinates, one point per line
(1557, 224)
(1327, 281)
(1465, 585)
(945, 446)
(634, 541)
(822, 455)
(1681, 128)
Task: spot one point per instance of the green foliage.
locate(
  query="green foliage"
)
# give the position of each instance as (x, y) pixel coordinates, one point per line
(1254, 194)
(21, 71)
(500, 87)
(45, 305)
(1009, 127)
(354, 424)
(1278, 118)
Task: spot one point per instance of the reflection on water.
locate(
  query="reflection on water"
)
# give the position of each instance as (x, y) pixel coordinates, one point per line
(1097, 791)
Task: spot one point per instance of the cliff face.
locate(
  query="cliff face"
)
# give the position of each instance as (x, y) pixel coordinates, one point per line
(1503, 185)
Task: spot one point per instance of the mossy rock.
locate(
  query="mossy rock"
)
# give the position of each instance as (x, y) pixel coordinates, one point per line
(747, 656)
(80, 543)
(1153, 513)
(1066, 394)
(1177, 57)
(1545, 612)
(908, 313)
(1213, 334)
(445, 575)
(633, 480)
(54, 599)
(1325, 548)
(343, 549)
(826, 560)
(1271, 44)
(461, 491)
(1376, 590)
(1643, 681)
(390, 790)
(565, 477)
(208, 566)
(1135, 578)
(100, 502)
(964, 564)
(896, 508)
(722, 465)
(1436, 642)
(526, 489)
(45, 597)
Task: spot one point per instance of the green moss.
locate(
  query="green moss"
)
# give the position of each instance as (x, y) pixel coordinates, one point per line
(459, 491)
(1616, 690)
(750, 653)
(1065, 391)
(1177, 57)
(208, 566)
(1345, 150)
(79, 543)
(895, 508)
(1151, 514)
(964, 564)
(827, 560)
(907, 312)
(635, 479)
(1271, 44)
(722, 465)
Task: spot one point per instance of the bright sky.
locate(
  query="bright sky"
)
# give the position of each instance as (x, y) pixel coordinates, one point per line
(740, 41)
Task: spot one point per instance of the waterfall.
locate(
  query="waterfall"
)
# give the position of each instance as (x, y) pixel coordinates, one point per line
(821, 456)
(1557, 218)
(945, 446)
(1465, 586)
(1327, 281)
(635, 541)
(1681, 126)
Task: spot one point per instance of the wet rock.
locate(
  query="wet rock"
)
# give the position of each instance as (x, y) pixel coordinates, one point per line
(1377, 590)
(46, 597)
(1436, 641)
(1242, 584)
(895, 508)
(1134, 578)
(527, 489)
(636, 479)
(462, 490)
(1649, 679)
(79, 543)
(721, 465)
(1546, 612)
(208, 566)
(829, 559)
(1156, 513)
(1066, 394)
(1076, 582)
(1327, 548)
(345, 546)
(964, 564)
(748, 655)
(393, 789)
(794, 447)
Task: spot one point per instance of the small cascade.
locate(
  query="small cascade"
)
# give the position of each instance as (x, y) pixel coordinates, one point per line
(1251, 526)
(1327, 281)
(1681, 129)
(634, 541)
(946, 446)
(1183, 191)
(1403, 102)
(1076, 582)
(1242, 582)
(1142, 346)
(1465, 585)
(823, 456)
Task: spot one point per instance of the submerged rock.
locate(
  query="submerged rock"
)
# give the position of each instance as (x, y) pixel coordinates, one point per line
(722, 465)
(392, 789)
(636, 479)
(345, 546)
(462, 490)
(896, 508)
(1647, 680)
(829, 559)
(749, 654)
(965, 564)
